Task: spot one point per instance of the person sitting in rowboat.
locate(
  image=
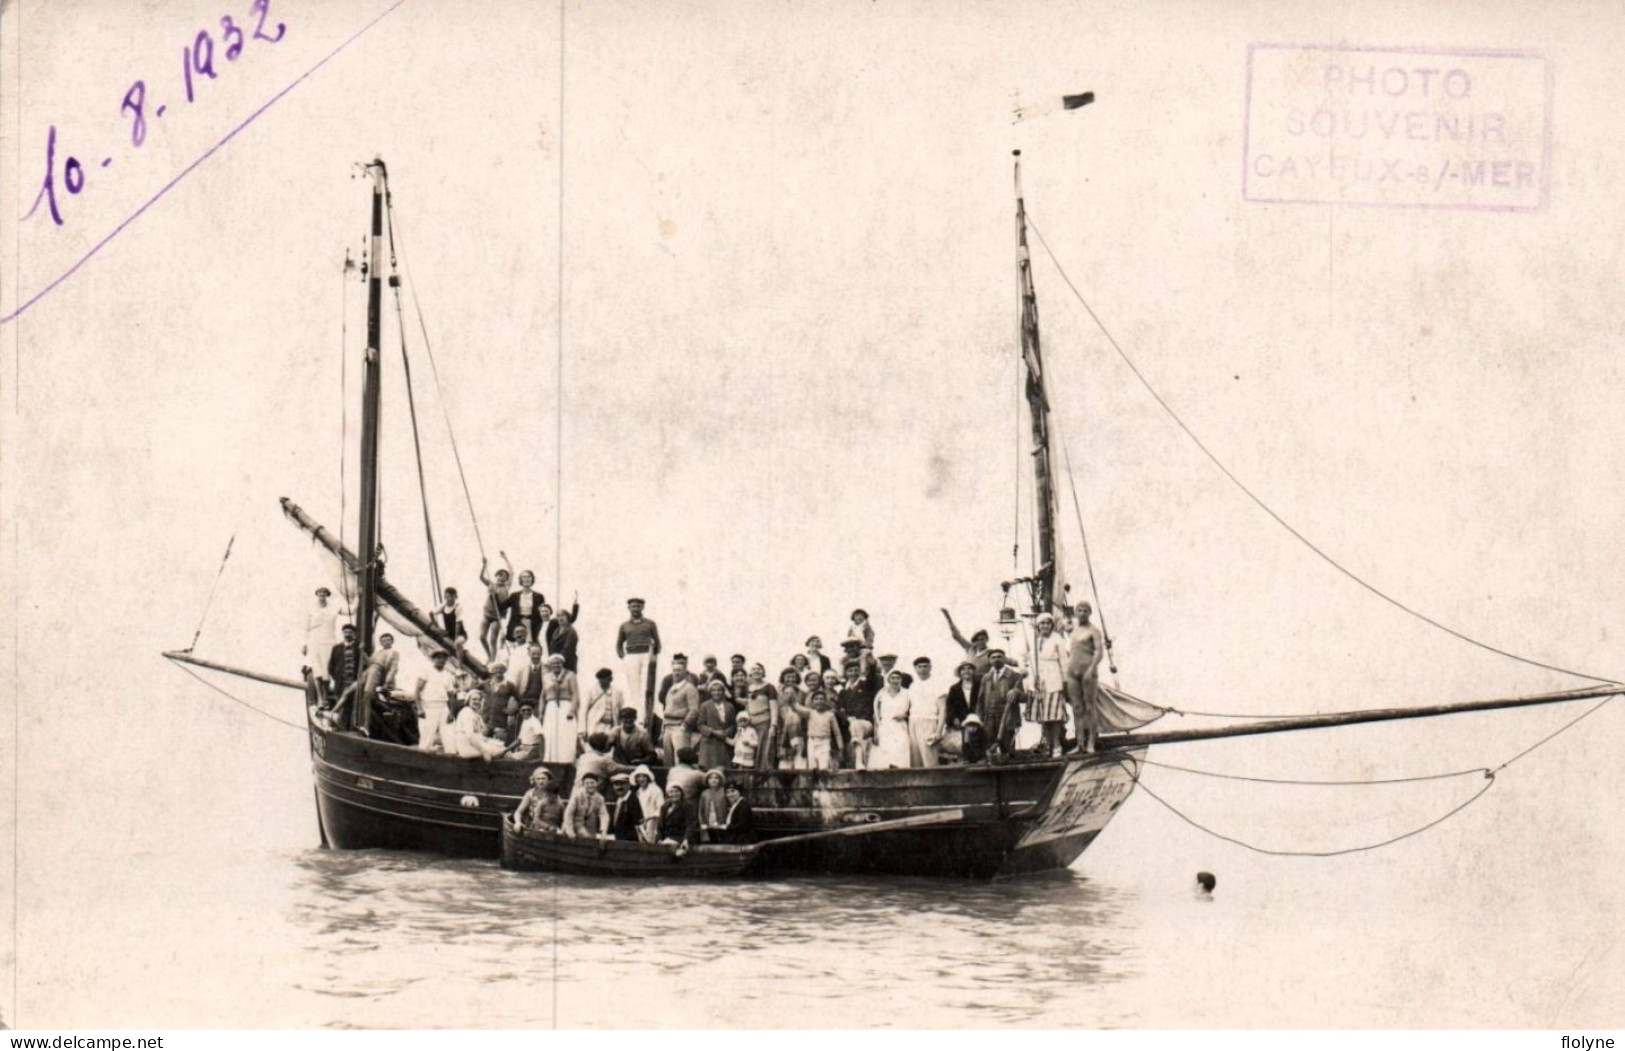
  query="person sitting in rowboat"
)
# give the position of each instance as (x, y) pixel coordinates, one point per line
(679, 821)
(739, 827)
(713, 807)
(630, 743)
(540, 809)
(625, 812)
(586, 816)
(527, 746)
(747, 742)
(650, 800)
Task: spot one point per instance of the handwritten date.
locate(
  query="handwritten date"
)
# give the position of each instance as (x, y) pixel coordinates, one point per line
(198, 66)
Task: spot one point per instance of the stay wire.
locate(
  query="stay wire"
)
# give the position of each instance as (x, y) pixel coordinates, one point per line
(1311, 782)
(1094, 589)
(209, 601)
(1489, 782)
(440, 391)
(1328, 559)
(412, 409)
(235, 699)
(1487, 772)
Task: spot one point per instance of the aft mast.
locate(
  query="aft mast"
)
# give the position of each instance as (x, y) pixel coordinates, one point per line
(1047, 584)
(367, 541)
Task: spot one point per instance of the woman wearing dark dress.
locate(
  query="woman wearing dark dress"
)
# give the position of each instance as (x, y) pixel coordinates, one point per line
(739, 828)
(679, 821)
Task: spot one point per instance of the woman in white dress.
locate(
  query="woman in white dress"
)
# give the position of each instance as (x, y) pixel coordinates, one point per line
(560, 699)
(891, 725)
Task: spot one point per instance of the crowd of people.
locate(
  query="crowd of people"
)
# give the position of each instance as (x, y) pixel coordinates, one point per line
(859, 709)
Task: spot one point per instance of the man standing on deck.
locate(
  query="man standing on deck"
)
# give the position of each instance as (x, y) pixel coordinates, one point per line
(637, 644)
(681, 715)
(319, 631)
(430, 696)
(1083, 677)
(1000, 701)
(679, 674)
(343, 665)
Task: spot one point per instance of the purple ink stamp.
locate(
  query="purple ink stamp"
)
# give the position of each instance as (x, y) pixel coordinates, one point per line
(1397, 127)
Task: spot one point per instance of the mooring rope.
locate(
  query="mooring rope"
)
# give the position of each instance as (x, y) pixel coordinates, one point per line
(1257, 500)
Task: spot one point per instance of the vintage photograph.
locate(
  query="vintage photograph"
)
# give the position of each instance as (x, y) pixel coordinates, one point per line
(845, 515)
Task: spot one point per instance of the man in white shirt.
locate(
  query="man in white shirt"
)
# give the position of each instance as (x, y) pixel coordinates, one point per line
(527, 746)
(319, 640)
(433, 691)
(925, 713)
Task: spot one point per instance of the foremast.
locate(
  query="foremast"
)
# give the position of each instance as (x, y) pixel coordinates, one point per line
(368, 569)
(1047, 586)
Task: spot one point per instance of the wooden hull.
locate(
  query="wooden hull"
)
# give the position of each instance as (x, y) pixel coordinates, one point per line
(551, 852)
(1015, 818)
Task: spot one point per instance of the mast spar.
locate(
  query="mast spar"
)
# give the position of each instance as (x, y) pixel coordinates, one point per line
(367, 538)
(1047, 584)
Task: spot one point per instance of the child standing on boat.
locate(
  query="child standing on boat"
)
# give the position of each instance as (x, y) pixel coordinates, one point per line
(861, 630)
(496, 601)
(824, 740)
(747, 743)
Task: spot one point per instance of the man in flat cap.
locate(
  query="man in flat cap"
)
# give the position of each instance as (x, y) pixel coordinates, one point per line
(637, 644)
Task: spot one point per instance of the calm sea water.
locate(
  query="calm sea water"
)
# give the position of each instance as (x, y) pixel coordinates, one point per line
(184, 888)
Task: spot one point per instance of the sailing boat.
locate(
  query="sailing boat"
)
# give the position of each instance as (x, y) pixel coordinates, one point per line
(1020, 815)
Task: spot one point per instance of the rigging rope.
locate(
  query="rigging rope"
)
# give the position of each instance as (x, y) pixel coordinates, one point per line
(1072, 482)
(1283, 523)
(440, 392)
(231, 697)
(210, 600)
(412, 408)
(1489, 782)
(1487, 772)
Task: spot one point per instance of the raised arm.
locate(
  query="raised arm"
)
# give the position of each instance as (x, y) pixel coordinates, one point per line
(953, 629)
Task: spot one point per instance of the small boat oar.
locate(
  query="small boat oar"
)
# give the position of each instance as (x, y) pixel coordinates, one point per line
(941, 817)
